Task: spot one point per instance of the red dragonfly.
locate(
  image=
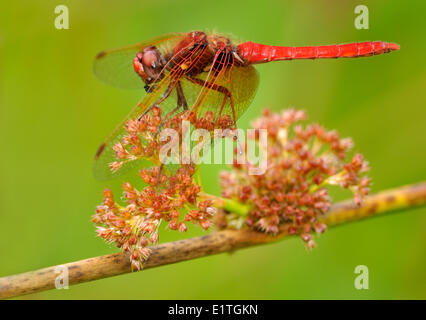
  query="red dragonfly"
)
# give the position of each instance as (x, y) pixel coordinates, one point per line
(199, 71)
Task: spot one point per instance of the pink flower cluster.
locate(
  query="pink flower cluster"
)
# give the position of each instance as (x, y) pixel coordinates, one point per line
(302, 161)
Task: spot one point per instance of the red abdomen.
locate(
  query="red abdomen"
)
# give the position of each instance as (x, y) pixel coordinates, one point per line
(254, 53)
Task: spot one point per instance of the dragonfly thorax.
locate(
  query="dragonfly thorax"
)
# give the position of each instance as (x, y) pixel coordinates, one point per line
(199, 52)
(196, 53)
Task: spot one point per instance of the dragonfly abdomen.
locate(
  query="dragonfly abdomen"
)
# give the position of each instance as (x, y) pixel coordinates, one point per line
(254, 53)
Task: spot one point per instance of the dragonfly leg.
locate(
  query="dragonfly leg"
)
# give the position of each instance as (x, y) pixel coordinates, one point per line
(181, 103)
(227, 94)
(164, 96)
(181, 96)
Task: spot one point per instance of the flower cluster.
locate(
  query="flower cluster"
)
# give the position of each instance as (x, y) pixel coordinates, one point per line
(208, 121)
(134, 226)
(170, 196)
(301, 162)
(140, 139)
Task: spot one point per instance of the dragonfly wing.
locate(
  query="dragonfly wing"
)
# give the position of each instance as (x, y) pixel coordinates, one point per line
(240, 81)
(106, 154)
(243, 87)
(115, 66)
(201, 95)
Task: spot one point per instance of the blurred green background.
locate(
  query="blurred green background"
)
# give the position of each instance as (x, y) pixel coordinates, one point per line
(54, 113)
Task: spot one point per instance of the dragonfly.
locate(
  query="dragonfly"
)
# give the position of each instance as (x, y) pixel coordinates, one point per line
(199, 71)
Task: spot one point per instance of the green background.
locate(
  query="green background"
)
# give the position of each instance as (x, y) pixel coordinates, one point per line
(54, 113)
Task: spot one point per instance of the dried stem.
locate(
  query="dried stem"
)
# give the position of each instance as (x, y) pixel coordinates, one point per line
(214, 243)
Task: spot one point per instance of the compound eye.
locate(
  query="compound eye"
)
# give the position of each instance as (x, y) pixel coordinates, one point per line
(150, 58)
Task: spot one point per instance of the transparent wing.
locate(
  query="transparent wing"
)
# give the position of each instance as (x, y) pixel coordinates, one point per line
(172, 74)
(225, 89)
(115, 66)
(242, 85)
(106, 154)
(228, 91)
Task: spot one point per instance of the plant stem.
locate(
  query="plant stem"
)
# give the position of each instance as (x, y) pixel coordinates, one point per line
(95, 268)
(227, 204)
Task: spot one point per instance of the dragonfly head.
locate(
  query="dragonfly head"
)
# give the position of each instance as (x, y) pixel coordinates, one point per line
(148, 64)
